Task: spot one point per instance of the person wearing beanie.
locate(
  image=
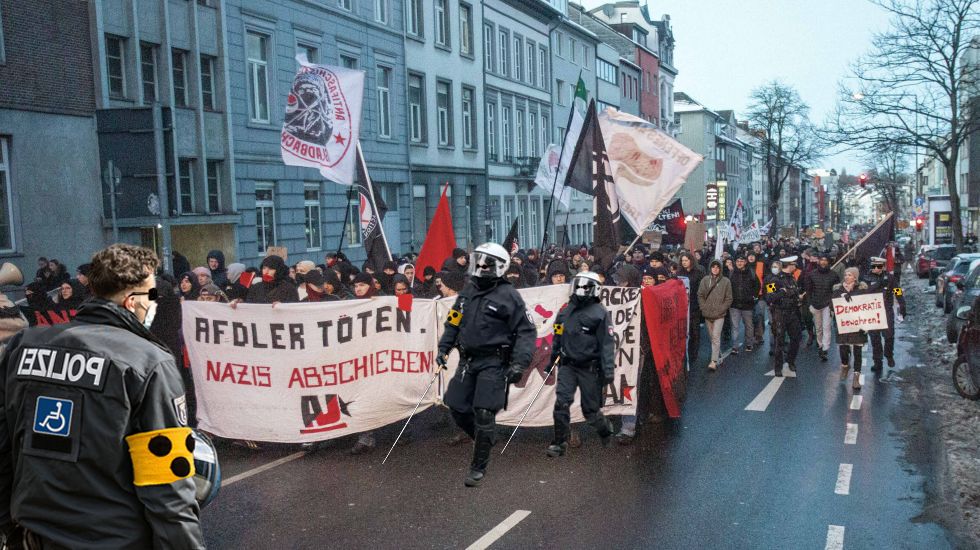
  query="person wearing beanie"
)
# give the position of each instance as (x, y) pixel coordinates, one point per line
(458, 262)
(426, 288)
(364, 286)
(332, 286)
(82, 274)
(275, 286)
(515, 274)
(452, 283)
(714, 299)
(203, 275)
(557, 272)
(649, 277)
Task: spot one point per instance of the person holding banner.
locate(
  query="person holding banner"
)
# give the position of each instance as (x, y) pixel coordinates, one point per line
(495, 336)
(587, 360)
(849, 344)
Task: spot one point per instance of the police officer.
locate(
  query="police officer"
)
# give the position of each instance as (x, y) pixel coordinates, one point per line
(96, 423)
(583, 339)
(495, 336)
(783, 297)
(883, 341)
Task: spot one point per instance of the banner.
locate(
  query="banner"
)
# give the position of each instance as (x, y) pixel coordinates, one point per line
(864, 312)
(671, 223)
(665, 311)
(736, 222)
(694, 236)
(648, 165)
(547, 176)
(752, 234)
(764, 230)
(322, 120)
(308, 372)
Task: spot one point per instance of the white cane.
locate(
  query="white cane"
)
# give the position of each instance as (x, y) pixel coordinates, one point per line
(529, 405)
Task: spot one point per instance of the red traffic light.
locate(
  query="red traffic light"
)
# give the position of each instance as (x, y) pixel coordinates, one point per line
(918, 224)
(863, 179)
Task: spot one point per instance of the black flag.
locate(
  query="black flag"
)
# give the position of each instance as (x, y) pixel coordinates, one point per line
(874, 242)
(372, 213)
(510, 242)
(671, 223)
(589, 173)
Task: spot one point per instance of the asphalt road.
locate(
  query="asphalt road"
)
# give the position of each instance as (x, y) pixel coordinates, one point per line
(794, 475)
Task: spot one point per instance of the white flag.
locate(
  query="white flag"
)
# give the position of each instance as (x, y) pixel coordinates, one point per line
(738, 219)
(322, 120)
(648, 165)
(546, 178)
(568, 147)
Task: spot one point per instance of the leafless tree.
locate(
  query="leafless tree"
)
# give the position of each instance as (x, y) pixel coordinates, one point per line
(782, 121)
(913, 88)
(888, 173)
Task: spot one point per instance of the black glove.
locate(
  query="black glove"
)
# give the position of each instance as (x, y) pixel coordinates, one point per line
(441, 360)
(514, 374)
(608, 377)
(847, 297)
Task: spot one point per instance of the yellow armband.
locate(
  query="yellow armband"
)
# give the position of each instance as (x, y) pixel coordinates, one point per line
(559, 328)
(161, 456)
(454, 317)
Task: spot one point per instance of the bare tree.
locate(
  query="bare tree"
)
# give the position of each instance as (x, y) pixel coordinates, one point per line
(888, 173)
(913, 88)
(781, 120)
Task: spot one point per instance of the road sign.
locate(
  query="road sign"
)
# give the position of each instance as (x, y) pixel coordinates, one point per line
(920, 200)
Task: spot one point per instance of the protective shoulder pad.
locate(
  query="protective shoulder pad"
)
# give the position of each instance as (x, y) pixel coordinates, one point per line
(161, 456)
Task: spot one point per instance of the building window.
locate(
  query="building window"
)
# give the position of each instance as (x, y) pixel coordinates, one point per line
(532, 73)
(559, 90)
(469, 119)
(543, 79)
(465, 29)
(346, 4)
(348, 62)
(532, 133)
(354, 221)
(545, 131)
(258, 74)
(180, 77)
(505, 132)
(311, 203)
(519, 134)
(207, 82)
(416, 107)
(502, 46)
(413, 11)
(381, 11)
(115, 53)
(444, 112)
(488, 46)
(571, 49)
(559, 41)
(606, 71)
(492, 131)
(214, 186)
(6, 207)
(383, 75)
(186, 182)
(518, 58)
(265, 216)
(312, 53)
(442, 23)
(148, 68)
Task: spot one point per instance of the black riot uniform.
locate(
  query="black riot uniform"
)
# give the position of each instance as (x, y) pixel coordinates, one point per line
(94, 448)
(495, 336)
(583, 339)
(783, 297)
(883, 341)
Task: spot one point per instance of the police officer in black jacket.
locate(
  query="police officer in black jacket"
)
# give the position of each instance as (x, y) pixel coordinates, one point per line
(94, 445)
(783, 297)
(495, 336)
(583, 339)
(883, 341)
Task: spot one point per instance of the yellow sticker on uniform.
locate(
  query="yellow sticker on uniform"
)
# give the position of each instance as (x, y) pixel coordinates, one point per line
(559, 328)
(454, 317)
(161, 456)
(897, 290)
(771, 287)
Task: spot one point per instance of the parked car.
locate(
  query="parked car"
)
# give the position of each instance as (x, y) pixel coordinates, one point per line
(939, 260)
(922, 261)
(967, 290)
(946, 281)
(966, 368)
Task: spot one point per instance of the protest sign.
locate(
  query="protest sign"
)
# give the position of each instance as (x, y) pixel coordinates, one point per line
(864, 312)
(280, 251)
(694, 236)
(665, 310)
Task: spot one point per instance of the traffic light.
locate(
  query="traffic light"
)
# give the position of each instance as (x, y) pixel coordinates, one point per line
(863, 179)
(919, 222)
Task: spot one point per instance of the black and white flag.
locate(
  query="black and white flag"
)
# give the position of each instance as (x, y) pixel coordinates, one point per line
(372, 214)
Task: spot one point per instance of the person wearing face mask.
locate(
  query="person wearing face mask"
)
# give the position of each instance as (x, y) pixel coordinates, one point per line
(584, 343)
(275, 286)
(110, 436)
(784, 295)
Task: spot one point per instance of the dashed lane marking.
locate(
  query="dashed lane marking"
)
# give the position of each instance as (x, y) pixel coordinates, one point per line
(856, 402)
(761, 401)
(851, 435)
(486, 540)
(249, 473)
(835, 537)
(843, 486)
(786, 373)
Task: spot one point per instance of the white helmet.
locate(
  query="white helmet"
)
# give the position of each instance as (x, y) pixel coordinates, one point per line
(489, 260)
(586, 284)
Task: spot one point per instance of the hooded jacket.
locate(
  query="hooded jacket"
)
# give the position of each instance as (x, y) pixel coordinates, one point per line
(714, 296)
(280, 289)
(745, 288)
(219, 275)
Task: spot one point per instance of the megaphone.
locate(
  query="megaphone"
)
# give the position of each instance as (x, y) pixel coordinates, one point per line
(10, 275)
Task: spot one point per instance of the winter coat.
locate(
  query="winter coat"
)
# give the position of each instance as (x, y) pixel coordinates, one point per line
(714, 296)
(745, 288)
(851, 338)
(694, 276)
(281, 289)
(219, 275)
(819, 287)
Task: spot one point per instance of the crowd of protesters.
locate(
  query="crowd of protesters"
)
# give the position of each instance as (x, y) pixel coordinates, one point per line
(726, 294)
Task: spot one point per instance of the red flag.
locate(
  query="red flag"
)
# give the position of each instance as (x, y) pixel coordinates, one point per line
(665, 312)
(890, 259)
(439, 241)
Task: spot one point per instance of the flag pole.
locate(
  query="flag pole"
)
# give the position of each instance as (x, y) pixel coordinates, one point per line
(857, 244)
(374, 206)
(343, 230)
(554, 184)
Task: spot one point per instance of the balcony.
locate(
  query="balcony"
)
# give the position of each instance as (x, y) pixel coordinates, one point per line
(526, 166)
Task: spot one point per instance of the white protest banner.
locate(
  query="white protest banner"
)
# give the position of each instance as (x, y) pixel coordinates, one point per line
(547, 175)
(308, 372)
(543, 303)
(322, 120)
(751, 234)
(648, 165)
(863, 312)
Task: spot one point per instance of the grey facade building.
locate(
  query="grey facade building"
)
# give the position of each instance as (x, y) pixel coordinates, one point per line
(50, 200)
(629, 84)
(444, 53)
(291, 206)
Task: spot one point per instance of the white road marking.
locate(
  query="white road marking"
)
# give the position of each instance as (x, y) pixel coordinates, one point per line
(486, 540)
(844, 479)
(786, 373)
(249, 473)
(861, 378)
(835, 537)
(851, 435)
(761, 401)
(856, 402)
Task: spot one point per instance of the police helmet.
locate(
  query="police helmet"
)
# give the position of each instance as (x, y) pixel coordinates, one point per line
(489, 261)
(585, 284)
(207, 471)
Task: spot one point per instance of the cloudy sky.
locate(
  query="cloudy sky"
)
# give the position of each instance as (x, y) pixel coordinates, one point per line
(726, 48)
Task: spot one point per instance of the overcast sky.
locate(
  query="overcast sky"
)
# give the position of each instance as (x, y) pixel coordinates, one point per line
(726, 48)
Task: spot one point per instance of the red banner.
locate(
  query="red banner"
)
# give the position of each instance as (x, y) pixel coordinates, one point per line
(665, 313)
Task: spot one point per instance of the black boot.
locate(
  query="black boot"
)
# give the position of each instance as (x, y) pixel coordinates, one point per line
(474, 478)
(603, 427)
(823, 355)
(483, 441)
(556, 449)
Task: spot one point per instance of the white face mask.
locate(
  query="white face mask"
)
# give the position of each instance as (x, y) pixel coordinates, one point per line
(151, 312)
(775, 270)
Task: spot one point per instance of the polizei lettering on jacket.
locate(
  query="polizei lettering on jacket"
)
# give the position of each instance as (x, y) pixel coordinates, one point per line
(61, 366)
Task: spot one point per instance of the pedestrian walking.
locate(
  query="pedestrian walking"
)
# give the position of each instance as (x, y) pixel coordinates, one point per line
(819, 286)
(850, 343)
(714, 299)
(883, 341)
(783, 295)
(745, 290)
